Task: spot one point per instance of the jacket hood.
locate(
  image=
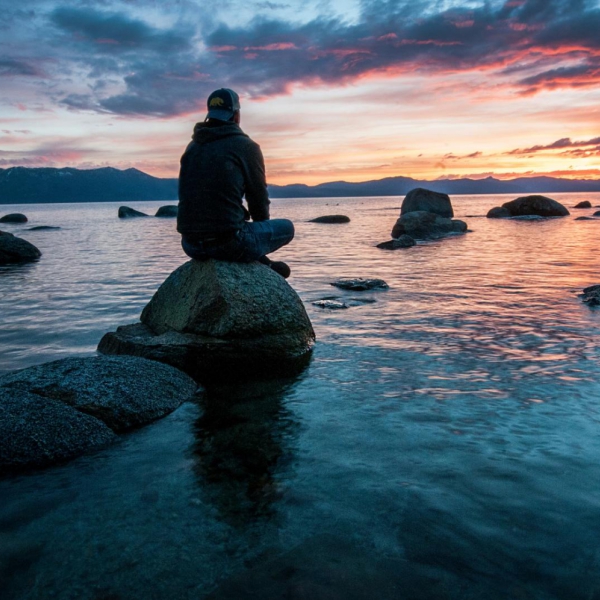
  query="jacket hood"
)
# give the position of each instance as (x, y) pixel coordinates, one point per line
(207, 132)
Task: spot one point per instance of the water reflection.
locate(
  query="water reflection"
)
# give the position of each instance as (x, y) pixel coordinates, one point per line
(244, 438)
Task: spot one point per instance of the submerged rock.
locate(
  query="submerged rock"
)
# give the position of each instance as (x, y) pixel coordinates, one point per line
(13, 218)
(591, 295)
(421, 199)
(536, 205)
(498, 212)
(423, 225)
(42, 228)
(331, 219)
(360, 284)
(128, 213)
(59, 410)
(585, 219)
(583, 204)
(216, 320)
(330, 304)
(16, 250)
(404, 241)
(167, 211)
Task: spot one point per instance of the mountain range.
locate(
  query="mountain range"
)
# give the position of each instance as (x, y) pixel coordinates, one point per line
(22, 185)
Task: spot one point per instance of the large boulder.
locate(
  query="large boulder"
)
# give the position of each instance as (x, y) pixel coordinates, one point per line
(16, 250)
(421, 199)
(125, 212)
(216, 320)
(540, 206)
(59, 410)
(14, 218)
(422, 225)
(167, 211)
(583, 204)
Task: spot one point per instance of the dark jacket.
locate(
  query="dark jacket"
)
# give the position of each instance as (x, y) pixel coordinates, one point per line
(219, 167)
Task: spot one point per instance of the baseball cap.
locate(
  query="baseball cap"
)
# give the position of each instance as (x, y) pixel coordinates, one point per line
(222, 103)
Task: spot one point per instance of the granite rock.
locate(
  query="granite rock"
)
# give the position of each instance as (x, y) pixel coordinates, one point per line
(167, 211)
(15, 250)
(331, 219)
(13, 218)
(129, 213)
(421, 199)
(535, 205)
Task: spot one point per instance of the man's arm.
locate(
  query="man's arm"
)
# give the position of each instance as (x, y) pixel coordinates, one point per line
(255, 183)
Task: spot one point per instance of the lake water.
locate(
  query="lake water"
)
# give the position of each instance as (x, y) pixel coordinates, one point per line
(444, 441)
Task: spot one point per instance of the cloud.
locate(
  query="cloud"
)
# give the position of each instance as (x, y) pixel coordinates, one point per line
(557, 145)
(12, 67)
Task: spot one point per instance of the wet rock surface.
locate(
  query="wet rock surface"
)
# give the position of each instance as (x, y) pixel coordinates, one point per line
(404, 241)
(129, 213)
(15, 250)
(591, 295)
(421, 199)
(535, 205)
(216, 319)
(330, 304)
(361, 284)
(422, 225)
(59, 410)
(14, 218)
(331, 219)
(167, 211)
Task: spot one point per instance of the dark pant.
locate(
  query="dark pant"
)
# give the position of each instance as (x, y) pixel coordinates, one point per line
(252, 242)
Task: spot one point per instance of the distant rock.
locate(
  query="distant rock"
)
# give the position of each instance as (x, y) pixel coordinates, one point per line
(583, 204)
(423, 225)
(220, 320)
(498, 212)
(128, 213)
(421, 199)
(331, 219)
(591, 295)
(537, 206)
(167, 211)
(15, 250)
(597, 214)
(360, 284)
(585, 219)
(13, 218)
(330, 304)
(404, 241)
(59, 410)
(42, 228)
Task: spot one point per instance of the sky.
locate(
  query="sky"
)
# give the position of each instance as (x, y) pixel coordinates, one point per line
(332, 90)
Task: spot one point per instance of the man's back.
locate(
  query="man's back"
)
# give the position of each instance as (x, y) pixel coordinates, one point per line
(219, 167)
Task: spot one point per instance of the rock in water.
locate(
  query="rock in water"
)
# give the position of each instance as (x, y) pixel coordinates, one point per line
(167, 211)
(498, 212)
(331, 219)
(59, 410)
(13, 218)
(360, 284)
(591, 295)
(128, 213)
(535, 205)
(16, 250)
(583, 204)
(220, 320)
(423, 225)
(597, 213)
(421, 199)
(42, 228)
(404, 241)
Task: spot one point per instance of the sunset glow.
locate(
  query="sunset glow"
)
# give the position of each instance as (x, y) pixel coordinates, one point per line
(351, 90)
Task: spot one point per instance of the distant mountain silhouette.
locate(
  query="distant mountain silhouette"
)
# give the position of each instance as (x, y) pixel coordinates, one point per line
(19, 185)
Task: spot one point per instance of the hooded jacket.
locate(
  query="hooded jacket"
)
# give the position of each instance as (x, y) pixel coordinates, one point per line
(219, 167)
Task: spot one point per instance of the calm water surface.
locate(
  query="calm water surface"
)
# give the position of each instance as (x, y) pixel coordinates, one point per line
(443, 443)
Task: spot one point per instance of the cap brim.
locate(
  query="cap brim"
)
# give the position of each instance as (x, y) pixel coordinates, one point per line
(222, 115)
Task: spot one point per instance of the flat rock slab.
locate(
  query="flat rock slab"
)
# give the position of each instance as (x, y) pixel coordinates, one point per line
(404, 241)
(15, 250)
(129, 213)
(209, 359)
(330, 304)
(14, 218)
(37, 432)
(122, 392)
(167, 211)
(360, 284)
(331, 219)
